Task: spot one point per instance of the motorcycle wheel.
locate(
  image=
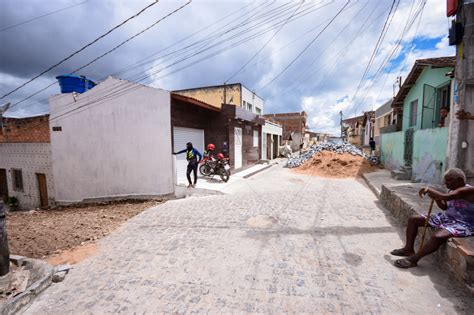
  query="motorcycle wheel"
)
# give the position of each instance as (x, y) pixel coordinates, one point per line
(205, 170)
(225, 175)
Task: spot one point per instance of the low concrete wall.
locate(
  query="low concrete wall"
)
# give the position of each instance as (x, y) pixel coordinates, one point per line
(392, 149)
(429, 155)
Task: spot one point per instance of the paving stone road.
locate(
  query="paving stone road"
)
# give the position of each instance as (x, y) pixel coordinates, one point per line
(281, 243)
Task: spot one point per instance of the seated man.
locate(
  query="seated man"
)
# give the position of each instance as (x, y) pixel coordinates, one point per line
(456, 221)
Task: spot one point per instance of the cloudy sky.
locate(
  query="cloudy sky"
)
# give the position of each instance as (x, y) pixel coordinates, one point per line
(298, 55)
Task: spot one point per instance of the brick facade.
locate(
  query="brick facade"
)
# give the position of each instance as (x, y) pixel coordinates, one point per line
(290, 122)
(30, 130)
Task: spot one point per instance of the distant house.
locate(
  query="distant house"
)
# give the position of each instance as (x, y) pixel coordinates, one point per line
(294, 127)
(25, 160)
(385, 121)
(353, 130)
(419, 150)
(368, 125)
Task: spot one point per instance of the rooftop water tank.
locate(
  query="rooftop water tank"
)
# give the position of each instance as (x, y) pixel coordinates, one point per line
(74, 83)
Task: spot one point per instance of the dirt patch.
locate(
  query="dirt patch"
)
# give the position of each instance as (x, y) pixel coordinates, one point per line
(65, 235)
(335, 165)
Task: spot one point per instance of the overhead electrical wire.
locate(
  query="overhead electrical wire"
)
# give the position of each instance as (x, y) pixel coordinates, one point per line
(80, 49)
(32, 104)
(109, 51)
(113, 93)
(41, 16)
(409, 24)
(306, 48)
(375, 50)
(264, 45)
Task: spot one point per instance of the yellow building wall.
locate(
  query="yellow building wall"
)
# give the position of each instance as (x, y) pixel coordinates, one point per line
(215, 95)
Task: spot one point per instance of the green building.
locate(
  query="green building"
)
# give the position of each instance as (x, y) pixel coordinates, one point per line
(418, 150)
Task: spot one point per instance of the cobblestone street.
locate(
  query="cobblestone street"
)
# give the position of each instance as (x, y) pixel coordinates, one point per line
(279, 242)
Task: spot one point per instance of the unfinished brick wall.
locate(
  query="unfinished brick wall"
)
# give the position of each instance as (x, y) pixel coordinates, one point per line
(291, 123)
(32, 130)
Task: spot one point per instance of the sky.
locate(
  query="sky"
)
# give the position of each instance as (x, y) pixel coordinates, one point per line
(296, 55)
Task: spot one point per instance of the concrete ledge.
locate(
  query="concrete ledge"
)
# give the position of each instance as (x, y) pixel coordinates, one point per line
(41, 278)
(457, 256)
(184, 192)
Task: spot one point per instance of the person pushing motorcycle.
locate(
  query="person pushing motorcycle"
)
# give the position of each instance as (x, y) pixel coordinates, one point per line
(193, 157)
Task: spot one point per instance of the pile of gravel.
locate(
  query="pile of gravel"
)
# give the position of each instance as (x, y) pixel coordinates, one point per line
(340, 147)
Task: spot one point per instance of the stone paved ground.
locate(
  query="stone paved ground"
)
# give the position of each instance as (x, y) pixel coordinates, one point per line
(282, 243)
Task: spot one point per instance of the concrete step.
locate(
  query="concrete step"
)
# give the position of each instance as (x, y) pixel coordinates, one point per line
(400, 175)
(457, 256)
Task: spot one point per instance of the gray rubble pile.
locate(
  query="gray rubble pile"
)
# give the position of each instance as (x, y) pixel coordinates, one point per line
(340, 147)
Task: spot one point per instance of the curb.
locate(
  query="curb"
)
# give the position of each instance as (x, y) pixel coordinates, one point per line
(256, 172)
(13, 305)
(371, 186)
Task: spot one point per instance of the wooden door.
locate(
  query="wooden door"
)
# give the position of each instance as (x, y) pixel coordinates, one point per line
(3, 184)
(43, 190)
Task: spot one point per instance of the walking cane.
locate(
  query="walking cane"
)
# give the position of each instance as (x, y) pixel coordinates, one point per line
(426, 224)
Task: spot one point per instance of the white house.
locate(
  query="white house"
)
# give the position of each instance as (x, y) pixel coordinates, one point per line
(111, 141)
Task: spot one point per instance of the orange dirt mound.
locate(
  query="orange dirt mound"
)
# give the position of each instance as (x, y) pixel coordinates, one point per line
(332, 164)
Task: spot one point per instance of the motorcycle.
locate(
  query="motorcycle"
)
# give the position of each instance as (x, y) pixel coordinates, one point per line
(219, 166)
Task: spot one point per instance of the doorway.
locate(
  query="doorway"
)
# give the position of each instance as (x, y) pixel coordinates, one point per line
(43, 190)
(3, 184)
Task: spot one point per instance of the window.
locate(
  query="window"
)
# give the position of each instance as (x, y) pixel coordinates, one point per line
(255, 138)
(17, 178)
(249, 106)
(258, 110)
(413, 113)
(244, 104)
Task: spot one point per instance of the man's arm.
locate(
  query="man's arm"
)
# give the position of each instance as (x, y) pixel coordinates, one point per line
(179, 152)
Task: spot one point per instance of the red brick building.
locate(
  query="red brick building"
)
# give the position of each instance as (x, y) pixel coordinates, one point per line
(294, 127)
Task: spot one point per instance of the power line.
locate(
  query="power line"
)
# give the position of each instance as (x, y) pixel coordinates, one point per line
(41, 16)
(129, 89)
(374, 52)
(107, 52)
(81, 49)
(241, 23)
(307, 46)
(265, 44)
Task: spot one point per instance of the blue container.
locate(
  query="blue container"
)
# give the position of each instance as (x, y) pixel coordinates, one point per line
(74, 83)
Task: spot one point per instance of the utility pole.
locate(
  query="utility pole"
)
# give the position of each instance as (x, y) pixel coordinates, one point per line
(4, 252)
(461, 130)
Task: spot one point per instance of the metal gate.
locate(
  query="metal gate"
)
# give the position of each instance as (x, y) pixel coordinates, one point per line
(408, 147)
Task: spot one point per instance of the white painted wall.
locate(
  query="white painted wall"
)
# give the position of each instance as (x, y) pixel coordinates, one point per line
(116, 147)
(31, 158)
(272, 128)
(250, 97)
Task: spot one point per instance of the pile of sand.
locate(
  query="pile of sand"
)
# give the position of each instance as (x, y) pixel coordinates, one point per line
(336, 165)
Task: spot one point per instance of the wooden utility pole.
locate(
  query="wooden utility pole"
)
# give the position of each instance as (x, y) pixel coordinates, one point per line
(4, 250)
(461, 131)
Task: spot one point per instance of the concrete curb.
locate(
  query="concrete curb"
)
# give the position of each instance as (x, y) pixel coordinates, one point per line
(44, 273)
(372, 187)
(258, 171)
